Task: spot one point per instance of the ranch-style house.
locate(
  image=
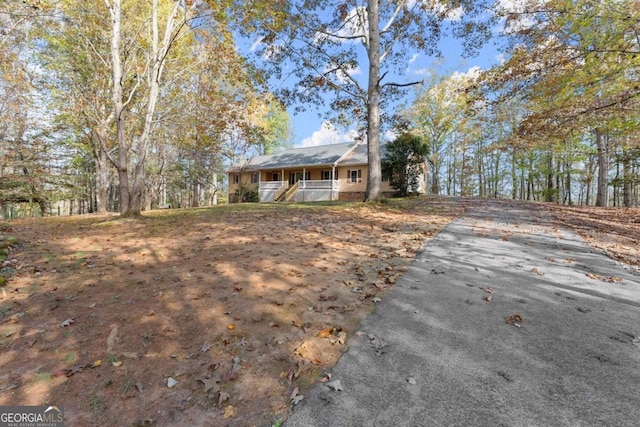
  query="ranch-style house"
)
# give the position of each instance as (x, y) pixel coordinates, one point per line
(308, 174)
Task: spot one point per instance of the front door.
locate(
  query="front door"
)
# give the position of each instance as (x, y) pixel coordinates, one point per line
(294, 177)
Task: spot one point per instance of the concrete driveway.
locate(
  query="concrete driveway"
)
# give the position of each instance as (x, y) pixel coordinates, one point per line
(503, 319)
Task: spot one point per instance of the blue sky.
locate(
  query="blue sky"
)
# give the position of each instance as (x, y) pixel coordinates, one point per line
(310, 129)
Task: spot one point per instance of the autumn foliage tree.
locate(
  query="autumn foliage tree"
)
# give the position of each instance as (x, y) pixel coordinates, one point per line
(577, 65)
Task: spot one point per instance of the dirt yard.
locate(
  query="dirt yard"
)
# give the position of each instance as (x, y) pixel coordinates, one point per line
(218, 316)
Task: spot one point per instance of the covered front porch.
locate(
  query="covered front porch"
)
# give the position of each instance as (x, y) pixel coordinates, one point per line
(301, 191)
(304, 185)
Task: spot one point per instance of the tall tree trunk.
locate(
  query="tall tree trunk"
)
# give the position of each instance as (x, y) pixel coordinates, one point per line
(118, 106)
(627, 179)
(131, 198)
(567, 167)
(102, 181)
(514, 176)
(374, 177)
(602, 196)
(551, 188)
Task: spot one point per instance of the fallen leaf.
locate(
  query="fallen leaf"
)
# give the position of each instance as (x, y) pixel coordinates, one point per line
(205, 347)
(488, 290)
(223, 396)
(117, 363)
(515, 319)
(325, 333)
(538, 272)
(229, 412)
(295, 397)
(236, 364)
(209, 383)
(171, 382)
(411, 381)
(335, 385)
(376, 299)
(326, 378)
(231, 326)
(487, 298)
(378, 344)
(67, 322)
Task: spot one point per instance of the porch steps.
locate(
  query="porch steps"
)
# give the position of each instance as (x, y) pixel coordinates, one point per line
(288, 194)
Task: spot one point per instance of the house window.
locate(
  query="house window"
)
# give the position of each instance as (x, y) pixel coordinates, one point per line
(275, 177)
(326, 175)
(254, 178)
(386, 172)
(236, 178)
(355, 175)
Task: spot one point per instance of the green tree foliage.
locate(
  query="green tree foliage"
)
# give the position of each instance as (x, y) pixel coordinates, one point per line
(406, 157)
(356, 51)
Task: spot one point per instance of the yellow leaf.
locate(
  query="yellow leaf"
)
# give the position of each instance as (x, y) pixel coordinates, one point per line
(229, 412)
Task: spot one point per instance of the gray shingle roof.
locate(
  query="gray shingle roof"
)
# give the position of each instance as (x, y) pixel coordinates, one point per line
(322, 155)
(360, 156)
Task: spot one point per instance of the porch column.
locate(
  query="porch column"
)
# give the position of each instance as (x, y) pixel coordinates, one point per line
(333, 178)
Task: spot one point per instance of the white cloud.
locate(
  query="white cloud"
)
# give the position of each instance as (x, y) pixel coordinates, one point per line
(519, 8)
(255, 45)
(342, 75)
(414, 58)
(471, 74)
(328, 134)
(389, 135)
(426, 72)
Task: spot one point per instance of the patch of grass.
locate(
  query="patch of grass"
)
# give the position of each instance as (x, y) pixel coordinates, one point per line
(69, 357)
(111, 358)
(96, 404)
(128, 385)
(43, 376)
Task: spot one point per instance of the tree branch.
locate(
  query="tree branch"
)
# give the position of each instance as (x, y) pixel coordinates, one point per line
(403, 84)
